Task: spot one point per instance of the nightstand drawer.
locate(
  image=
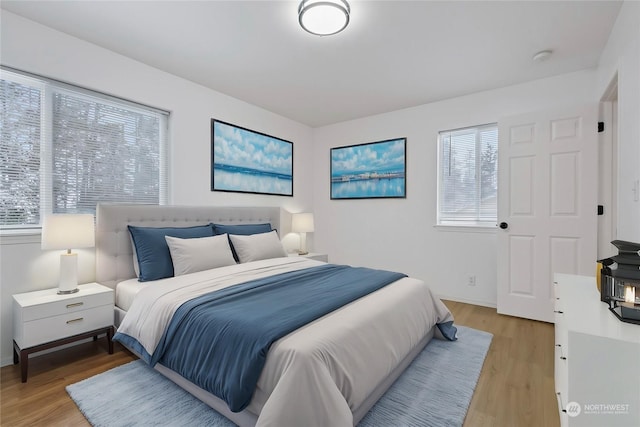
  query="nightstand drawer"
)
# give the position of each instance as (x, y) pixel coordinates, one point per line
(41, 331)
(66, 306)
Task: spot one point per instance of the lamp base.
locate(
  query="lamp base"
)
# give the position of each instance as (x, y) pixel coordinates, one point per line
(68, 274)
(303, 244)
(629, 310)
(624, 317)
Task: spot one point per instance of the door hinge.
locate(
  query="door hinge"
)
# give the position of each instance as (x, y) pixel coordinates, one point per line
(600, 210)
(600, 127)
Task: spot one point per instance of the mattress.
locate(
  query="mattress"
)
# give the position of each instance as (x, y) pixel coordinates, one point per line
(126, 291)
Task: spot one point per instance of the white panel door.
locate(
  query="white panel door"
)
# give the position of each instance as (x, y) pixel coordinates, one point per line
(547, 204)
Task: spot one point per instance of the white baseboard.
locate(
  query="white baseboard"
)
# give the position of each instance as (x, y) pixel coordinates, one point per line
(6, 361)
(468, 301)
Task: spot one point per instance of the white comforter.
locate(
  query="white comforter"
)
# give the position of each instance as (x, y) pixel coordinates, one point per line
(318, 374)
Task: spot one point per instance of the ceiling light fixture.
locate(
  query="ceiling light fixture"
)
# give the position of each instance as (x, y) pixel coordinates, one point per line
(324, 17)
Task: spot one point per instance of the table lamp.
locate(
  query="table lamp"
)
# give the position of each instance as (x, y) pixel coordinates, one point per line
(68, 231)
(302, 223)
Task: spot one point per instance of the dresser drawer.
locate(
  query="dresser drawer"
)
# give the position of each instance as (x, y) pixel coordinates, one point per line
(70, 305)
(560, 329)
(561, 370)
(41, 331)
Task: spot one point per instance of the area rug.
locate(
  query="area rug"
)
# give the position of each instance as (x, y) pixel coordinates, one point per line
(434, 391)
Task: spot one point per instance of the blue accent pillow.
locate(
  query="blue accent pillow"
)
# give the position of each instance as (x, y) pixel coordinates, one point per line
(242, 230)
(154, 258)
(448, 330)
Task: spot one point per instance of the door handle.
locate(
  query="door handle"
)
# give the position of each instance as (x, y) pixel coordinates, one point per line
(504, 225)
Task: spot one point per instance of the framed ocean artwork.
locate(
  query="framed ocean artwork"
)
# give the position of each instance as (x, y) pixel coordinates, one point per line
(369, 171)
(246, 161)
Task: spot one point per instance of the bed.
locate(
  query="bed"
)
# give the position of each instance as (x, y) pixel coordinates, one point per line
(330, 371)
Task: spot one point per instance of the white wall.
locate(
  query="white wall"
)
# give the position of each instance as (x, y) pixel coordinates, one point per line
(399, 234)
(32, 47)
(393, 234)
(621, 56)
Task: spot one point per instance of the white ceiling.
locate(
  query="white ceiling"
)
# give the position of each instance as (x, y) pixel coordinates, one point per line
(393, 55)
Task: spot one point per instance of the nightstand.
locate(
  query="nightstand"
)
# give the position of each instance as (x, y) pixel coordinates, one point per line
(315, 256)
(43, 320)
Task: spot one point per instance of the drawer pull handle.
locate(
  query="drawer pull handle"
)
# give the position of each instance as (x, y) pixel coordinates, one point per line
(79, 319)
(562, 356)
(559, 396)
(558, 311)
(77, 304)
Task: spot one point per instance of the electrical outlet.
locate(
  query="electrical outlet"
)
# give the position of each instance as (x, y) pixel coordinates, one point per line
(471, 281)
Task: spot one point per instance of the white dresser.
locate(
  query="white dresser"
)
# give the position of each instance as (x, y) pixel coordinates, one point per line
(597, 358)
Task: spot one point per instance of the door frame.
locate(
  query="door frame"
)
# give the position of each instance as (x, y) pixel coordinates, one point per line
(607, 170)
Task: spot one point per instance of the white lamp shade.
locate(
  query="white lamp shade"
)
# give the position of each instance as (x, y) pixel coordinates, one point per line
(302, 223)
(324, 17)
(68, 231)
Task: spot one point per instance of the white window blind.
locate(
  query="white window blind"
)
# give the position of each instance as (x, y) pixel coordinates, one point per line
(64, 149)
(21, 133)
(467, 176)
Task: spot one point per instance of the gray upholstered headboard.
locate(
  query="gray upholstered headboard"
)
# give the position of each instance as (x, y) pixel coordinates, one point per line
(114, 255)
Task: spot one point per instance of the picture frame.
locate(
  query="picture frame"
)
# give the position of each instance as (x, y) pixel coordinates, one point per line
(369, 171)
(246, 161)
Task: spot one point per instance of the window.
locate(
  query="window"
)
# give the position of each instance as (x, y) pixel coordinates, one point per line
(468, 176)
(63, 149)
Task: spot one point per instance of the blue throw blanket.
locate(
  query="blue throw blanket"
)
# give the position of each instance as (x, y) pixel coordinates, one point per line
(220, 340)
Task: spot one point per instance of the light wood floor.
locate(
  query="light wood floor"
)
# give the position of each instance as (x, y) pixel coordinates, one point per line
(515, 387)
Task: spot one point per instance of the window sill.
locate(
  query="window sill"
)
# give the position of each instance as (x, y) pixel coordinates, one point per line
(470, 228)
(20, 236)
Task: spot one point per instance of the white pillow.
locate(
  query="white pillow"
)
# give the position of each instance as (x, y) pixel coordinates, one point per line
(255, 247)
(199, 253)
(136, 266)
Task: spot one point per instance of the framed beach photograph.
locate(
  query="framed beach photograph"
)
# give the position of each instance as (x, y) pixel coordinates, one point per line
(246, 161)
(369, 171)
